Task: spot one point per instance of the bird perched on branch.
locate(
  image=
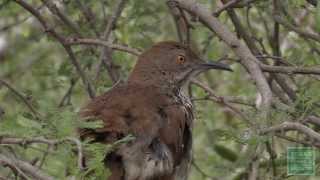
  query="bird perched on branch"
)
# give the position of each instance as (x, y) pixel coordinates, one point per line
(152, 107)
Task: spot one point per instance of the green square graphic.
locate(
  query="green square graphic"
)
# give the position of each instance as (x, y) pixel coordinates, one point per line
(301, 161)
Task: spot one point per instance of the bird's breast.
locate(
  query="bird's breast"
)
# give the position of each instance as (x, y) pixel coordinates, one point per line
(179, 118)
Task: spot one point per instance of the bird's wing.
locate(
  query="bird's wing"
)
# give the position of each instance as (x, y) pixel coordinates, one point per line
(104, 108)
(132, 110)
(124, 110)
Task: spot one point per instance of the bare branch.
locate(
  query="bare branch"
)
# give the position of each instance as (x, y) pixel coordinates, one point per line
(221, 99)
(80, 151)
(49, 142)
(290, 69)
(299, 31)
(181, 22)
(248, 60)
(89, 15)
(55, 10)
(292, 126)
(113, 19)
(241, 30)
(62, 41)
(224, 102)
(24, 100)
(100, 42)
(225, 6)
(106, 52)
(27, 141)
(24, 167)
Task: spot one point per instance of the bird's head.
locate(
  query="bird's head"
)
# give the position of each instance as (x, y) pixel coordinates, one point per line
(172, 63)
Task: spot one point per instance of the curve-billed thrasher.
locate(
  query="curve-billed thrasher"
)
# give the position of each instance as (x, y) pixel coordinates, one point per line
(152, 107)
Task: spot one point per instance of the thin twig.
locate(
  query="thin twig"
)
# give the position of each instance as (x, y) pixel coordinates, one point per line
(55, 10)
(62, 41)
(279, 19)
(182, 24)
(248, 60)
(49, 142)
(290, 69)
(100, 42)
(24, 100)
(292, 126)
(106, 52)
(215, 98)
(25, 167)
(225, 6)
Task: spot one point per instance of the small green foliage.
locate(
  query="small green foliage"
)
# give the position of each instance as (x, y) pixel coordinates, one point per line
(95, 162)
(97, 153)
(225, 152)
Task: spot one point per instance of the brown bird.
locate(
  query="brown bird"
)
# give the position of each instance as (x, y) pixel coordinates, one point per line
(151, 106)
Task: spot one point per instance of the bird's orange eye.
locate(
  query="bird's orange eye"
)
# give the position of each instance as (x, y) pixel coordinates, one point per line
(181, 59)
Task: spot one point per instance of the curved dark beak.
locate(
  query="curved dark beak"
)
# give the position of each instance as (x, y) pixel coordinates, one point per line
(214, 65)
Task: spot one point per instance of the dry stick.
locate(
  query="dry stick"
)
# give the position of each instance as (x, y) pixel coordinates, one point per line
(105, 55)
(278, 59)
(100, 42)
(54, 10)
(90, 17)
(303, 142)
(243, 4)
(279, 19)
(222, 99)
(113, 19)
(49, 142)
(24, 100)
(248, 60)
(225, 6)
(290, 69)
(181, 22)
(275, 44)
(254, 169)
(272, 157)
(214, 98)
(252, 46)
(16, 171)
(77, 142)
(27, 168)
(292, 126)
(313, 120)
(62, 41)
(67, 96)
(275, 40)
(27, 141)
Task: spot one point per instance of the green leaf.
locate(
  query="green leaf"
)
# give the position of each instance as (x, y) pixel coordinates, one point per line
(225, 152)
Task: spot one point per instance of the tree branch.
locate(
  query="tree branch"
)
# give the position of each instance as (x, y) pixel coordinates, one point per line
(24, 100)
(49, 142)
(292, 126)
(248, 60)
(100, 42)
(62, 41)
(55, 10)
(225, 6)
(290, 69)
(25, 167)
